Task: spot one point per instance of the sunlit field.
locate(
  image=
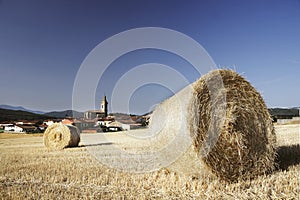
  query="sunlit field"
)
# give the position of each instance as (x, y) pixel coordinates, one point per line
(29, 171)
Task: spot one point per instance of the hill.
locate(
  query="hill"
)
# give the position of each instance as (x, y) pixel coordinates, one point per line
(65, 113)
(16, 115)
(9, 107)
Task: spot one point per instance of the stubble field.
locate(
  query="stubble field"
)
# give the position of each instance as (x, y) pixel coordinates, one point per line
(29, 171)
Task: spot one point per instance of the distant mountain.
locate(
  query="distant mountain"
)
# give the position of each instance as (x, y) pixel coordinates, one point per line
(296, 108)
(65, 113)
(7, 115)
(20, 108)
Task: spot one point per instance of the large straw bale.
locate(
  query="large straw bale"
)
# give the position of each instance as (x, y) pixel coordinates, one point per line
(58, 136)
(244, 145)
(226, 123)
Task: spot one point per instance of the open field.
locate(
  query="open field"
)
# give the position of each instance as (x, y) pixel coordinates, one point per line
(29, 171)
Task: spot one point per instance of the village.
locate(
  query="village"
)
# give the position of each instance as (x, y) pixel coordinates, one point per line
(93, 121)
(97, 121)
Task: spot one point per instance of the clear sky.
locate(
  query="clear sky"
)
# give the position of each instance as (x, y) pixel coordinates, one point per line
(44, 42)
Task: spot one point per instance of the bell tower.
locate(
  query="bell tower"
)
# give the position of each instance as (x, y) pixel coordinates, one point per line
(103, 106)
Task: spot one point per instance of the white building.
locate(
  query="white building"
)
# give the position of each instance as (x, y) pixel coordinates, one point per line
(105, 121)
(121, 126)
(25, 128)
(49, 122)
(13, 128)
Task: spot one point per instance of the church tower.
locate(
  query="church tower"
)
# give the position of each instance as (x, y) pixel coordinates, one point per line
(103, 106)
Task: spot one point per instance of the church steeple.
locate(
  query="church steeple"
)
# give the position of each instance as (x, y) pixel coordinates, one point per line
(103, 106)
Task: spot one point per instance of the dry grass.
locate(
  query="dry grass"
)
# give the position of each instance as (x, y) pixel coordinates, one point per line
(29, 171)
(6, 135)
(294, 122)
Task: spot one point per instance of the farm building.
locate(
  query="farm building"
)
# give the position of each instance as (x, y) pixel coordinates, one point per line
(68, 121)
(85, 123)
(105, 121)
(10, 127)
(283, 113)
(50, 122)
(20, 128)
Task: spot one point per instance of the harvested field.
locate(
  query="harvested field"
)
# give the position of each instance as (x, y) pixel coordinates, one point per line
(29, 171)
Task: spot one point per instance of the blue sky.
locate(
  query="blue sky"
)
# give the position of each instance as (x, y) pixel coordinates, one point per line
(43, 44)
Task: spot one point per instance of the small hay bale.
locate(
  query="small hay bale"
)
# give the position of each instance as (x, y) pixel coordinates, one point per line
(244, 146)
(59, 136)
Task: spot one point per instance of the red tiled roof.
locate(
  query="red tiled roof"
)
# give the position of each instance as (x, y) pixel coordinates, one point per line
(26, 126)
(67, 121)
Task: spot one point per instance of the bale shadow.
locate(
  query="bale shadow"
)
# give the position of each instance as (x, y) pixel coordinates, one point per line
(99, 144)
(288, 156)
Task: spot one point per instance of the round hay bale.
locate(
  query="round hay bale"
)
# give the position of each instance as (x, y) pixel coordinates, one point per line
(59, 136)
(240, 144)
(220, 125)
